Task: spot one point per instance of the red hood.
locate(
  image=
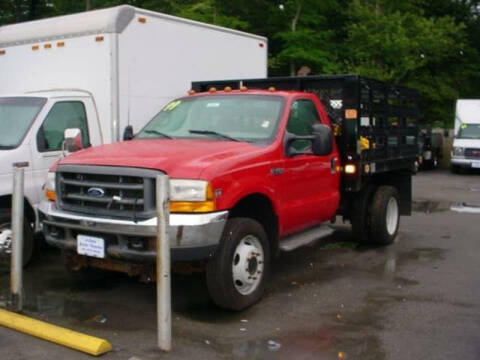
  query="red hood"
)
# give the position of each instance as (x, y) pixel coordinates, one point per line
(180, 158)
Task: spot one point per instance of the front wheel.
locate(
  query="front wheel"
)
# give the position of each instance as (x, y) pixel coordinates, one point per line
(237, 274)
(6, 239)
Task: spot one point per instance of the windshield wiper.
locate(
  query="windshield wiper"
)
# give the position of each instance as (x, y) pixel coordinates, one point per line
(211, 132)
(158, 133)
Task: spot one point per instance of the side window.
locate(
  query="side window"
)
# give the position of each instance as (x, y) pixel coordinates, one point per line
(63, 115)
(303, 114)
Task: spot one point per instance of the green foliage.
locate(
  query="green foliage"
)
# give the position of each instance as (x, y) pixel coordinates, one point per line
(431, 45)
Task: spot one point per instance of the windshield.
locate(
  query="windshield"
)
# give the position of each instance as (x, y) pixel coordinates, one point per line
(469, 131)
(252, 118)
(16, 116)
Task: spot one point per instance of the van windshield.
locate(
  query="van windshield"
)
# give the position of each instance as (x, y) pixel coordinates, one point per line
(469, 131)
(252, 118)
(16, 116)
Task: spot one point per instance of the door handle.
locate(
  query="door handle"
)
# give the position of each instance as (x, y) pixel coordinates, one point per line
(333, 165)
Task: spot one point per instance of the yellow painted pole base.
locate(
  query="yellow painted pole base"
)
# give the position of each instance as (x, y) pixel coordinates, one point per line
(56, 334)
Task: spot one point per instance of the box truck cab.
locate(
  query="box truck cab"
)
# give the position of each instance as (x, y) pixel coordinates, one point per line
(32, 133)
(99, 72)
(466, 144)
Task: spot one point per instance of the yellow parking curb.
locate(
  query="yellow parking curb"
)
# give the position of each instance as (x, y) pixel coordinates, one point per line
(56, 334)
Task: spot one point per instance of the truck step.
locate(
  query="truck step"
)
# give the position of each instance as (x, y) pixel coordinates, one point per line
(307, 237)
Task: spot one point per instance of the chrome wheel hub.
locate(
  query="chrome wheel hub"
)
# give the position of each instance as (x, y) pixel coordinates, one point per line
(392, 216)
(247, 266)
(5, 240)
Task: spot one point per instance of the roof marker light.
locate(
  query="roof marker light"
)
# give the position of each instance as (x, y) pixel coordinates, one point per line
(191, 92)
(61, 44)
(47, 46)
(227, 89)
(35, 47)
(243, 88)
(142, 20)
(99, 38)
(271, 88)
(350, 114)
(2, 52)
(212, 89)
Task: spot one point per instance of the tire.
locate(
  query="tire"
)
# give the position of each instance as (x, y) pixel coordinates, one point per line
(384, 215)
(360, 217)
(5, 238)
(415, 167)
(237, 274)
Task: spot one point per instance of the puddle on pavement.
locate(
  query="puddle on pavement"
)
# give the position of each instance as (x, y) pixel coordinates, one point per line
(429, 206)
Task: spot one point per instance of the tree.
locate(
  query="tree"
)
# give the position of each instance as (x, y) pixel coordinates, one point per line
(307, 40)
(407, 48)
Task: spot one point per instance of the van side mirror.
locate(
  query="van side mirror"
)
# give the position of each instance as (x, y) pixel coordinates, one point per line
(128, 133)
(72, 140)
(323, 140)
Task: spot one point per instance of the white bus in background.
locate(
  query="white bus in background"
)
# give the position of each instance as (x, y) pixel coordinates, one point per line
(99, 72)
(466, 143)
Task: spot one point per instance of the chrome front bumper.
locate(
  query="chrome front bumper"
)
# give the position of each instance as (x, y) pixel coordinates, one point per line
(467, 163)
(192, 236)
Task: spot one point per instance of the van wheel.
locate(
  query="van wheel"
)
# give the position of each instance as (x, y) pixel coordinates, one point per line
(6, 239)
(237, 274)
(385, 215)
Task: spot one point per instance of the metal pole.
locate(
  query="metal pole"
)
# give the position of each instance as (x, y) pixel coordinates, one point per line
(16, 273)
(164, 300)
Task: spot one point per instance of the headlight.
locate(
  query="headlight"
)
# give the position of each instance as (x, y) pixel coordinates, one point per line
(49, 187)
(191, 196)
(458, 151)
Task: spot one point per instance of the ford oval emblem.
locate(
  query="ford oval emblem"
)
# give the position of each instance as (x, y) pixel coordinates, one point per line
(96, 192)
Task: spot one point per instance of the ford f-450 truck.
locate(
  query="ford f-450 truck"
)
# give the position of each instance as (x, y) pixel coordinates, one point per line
(255, 168)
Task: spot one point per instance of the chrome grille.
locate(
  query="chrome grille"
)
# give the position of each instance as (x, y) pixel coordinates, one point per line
(471, 153)
(107, 191)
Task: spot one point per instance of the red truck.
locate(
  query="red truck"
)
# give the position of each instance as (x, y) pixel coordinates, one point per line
(260, 166)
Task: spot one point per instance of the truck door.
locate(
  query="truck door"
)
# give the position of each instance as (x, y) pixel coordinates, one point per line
(47, 147)
(311, 188)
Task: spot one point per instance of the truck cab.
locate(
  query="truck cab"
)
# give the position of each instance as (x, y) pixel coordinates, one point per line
(252, 172)
(32, 135)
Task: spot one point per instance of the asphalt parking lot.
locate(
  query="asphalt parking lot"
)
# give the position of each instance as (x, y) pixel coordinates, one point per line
(416, 299)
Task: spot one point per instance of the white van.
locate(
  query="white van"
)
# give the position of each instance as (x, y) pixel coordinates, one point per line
(466, 143)
(99, 72)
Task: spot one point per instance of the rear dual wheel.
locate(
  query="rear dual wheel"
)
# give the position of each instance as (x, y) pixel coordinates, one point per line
(376, 215)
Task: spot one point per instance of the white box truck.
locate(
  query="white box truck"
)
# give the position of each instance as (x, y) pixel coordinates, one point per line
(466, 143)
(99, 71)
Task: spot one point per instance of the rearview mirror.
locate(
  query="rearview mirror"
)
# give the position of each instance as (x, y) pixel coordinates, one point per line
(323, 139)
(128, 133)
(319, 143)
(72, 140)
